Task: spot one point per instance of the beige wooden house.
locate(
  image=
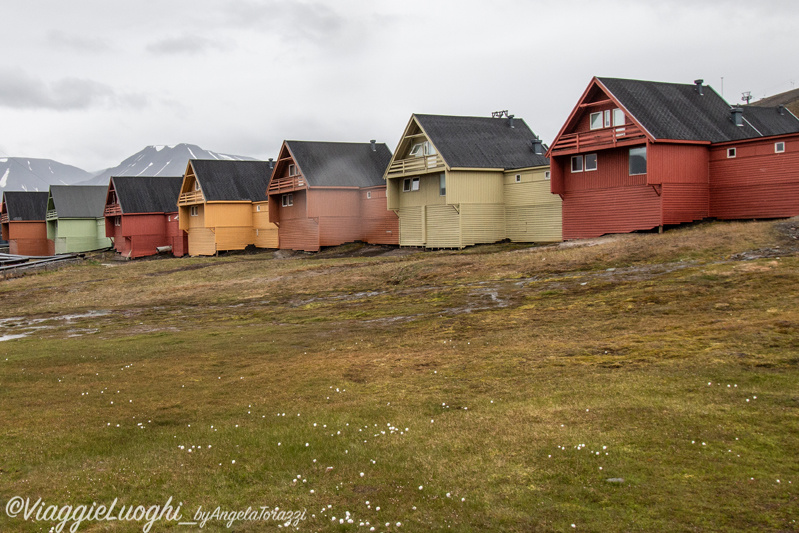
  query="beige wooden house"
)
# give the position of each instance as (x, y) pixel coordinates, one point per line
(459, 181)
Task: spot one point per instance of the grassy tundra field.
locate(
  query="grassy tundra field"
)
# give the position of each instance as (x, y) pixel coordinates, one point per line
(631, 383)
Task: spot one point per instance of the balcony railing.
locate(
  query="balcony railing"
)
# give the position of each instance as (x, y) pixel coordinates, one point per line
(286, 184)
(192, 197)
(52, 214)
(4, 218)
(414, 165)
(112, 210)
(598, 139)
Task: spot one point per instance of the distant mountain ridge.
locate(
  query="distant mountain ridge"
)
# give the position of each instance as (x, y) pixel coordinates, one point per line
(32, 174)
(160, 160)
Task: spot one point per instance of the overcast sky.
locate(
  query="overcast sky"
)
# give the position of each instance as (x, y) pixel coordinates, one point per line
(90, 82)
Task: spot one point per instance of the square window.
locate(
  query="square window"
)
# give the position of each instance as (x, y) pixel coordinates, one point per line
(547, 175)
(618, 117)
(287, 200)
(442, 184)
(638, 160)
(731, 152)
(194, 211)
(779, 147)
(577, 163)
(415, 184)
(596, 121)
(406, 185)
(518, 178)
(292, 170)
(590, 162)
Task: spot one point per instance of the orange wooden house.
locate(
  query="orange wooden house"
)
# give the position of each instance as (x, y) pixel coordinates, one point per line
(330, 193)
(23, 218)
(222, 206)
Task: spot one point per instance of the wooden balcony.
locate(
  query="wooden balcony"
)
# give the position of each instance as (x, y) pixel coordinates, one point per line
(415, 165)
(52, 214)
(112, 210)
(191, 197)
(573, 143)
(4, 218)
(287, 184)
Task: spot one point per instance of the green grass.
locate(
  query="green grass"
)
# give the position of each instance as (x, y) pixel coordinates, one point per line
(526, 378)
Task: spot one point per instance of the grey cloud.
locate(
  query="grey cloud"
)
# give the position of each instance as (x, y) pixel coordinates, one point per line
(312, 21)
(77, 42)
(21, 91)
(186, 44)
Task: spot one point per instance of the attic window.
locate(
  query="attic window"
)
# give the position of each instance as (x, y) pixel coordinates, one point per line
(731, 152)
(292, 170)
(287, 199)
(596, 120)
(779, 147)
(618, 117)
(422, 149)
(518, 178)
(196, 185)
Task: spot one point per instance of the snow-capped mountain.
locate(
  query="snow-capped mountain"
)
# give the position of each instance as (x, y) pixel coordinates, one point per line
(160, 161)
(29, 174)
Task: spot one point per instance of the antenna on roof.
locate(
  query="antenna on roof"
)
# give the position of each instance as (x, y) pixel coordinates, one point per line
(499, 114)
(747, 96)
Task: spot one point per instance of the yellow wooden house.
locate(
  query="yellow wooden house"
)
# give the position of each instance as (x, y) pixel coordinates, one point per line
(223, 206)
(458, 181)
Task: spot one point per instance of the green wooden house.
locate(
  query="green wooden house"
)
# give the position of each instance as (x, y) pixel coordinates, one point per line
(75, 220)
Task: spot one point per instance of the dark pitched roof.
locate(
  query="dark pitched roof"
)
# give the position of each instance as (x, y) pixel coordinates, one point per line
(338, 164)
(78, 201)
(232, 180)
(482, 142)
(26, 206)
(140, 194)
(788, 97)
(677, 111)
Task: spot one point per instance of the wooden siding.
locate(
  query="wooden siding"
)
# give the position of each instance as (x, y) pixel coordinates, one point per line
(234, 238)
(474, 187)
(139, 235)
(266, 233)
(299, 234)
(202, 241)
(684, 202)
(677, 163)
(443, 227)
(187, 221)
(333, 203)
(338, 230)
(532, 212)
(428, 193)
(378, 224)
(591, 213)
(612, 171)
(27, 238)
(757, 182)
(77, 235)
(411, 222)
(482, 223)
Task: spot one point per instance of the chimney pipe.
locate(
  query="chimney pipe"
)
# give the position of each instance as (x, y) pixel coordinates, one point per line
(781, 109)
(737, 116)
(271, 164)
(698, 84)
(374, 146)
(538, 146)
(510, 121)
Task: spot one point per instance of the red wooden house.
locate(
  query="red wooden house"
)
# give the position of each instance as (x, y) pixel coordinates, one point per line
(23, 220)
(636, 155)
(141, 215)
(327, 193)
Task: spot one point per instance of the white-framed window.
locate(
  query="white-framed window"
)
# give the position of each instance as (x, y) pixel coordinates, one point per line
(590, 162)
(731, 152)
(422, 149)
(292, 169)
(779, 147)
(607, 118)
(618, 117)
(196, 185)
(518, 178)
(547, 175)
(194, 211)
(287, 200)
(577, 163)
(117, 221)
(595, 120)
(442, 184)
(410, 184)
(169, 218)
(638, 160)
(368, 195)
(258, 208)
